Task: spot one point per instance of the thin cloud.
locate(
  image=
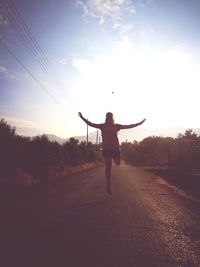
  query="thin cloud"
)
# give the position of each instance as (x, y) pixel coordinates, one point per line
(123, 28)
(3, 110)
(3, 21)
(26, 124)
(106, 9)
(66, 60)
(101, 8)
(81, 64)
(4, 72)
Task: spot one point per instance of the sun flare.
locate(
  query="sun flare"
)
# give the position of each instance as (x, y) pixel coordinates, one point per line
(159, 85)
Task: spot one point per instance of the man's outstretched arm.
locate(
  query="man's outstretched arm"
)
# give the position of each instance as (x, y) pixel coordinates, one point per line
(131, 125)
(95, 125)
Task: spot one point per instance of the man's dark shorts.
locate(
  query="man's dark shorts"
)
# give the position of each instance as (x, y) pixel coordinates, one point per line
(111, 153)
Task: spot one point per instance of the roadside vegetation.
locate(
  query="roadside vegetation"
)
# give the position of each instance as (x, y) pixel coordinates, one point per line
(182, 151)
(40, 158)
(35, 160)
(175, 159)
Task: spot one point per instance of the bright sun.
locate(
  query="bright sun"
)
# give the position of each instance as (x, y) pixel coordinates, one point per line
(159, 85)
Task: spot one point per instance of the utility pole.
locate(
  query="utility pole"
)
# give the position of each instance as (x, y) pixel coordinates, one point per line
(87, 145)
(97, 137)
(87, 136)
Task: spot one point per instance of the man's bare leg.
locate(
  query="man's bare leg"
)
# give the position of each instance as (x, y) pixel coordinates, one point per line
(108, 162)
(117, 161)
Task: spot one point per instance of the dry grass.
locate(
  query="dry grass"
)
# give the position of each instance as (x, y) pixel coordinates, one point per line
(23, 179)
(189, 181)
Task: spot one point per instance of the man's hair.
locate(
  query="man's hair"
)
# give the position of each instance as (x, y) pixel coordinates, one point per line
(109, 118)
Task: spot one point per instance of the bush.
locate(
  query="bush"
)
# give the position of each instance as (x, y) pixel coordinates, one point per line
(8, 147)
(38, 155)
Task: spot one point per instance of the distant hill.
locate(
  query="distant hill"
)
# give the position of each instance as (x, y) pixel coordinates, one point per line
(53, 137)
(140, 133)
(129, 135)
(60, 140)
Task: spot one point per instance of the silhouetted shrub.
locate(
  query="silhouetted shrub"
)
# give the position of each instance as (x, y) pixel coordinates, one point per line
(7, 147)
(155, 150)
(73, 151)
(38, 155)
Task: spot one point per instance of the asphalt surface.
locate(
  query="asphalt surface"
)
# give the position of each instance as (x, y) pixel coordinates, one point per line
(73, 222)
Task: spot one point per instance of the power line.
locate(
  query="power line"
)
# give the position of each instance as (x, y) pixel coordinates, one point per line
(36, 51)
(28, 31)
(22, 35)
(40, 51)
(30, 73)
(17, 22)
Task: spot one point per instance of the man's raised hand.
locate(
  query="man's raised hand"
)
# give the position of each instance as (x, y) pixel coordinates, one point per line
(80, 115)
(142, 121)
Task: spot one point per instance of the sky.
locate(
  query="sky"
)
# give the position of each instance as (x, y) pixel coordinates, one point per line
(138, 59)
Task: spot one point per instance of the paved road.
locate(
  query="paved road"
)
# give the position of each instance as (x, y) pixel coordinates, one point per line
(73, 222)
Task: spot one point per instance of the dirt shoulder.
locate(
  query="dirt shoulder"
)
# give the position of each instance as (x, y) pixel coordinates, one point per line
(189, 182)
(21, 178)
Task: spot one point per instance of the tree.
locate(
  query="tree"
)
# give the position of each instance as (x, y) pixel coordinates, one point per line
(71, 148)
(153, 150)
(7, 147)
(38, 155)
